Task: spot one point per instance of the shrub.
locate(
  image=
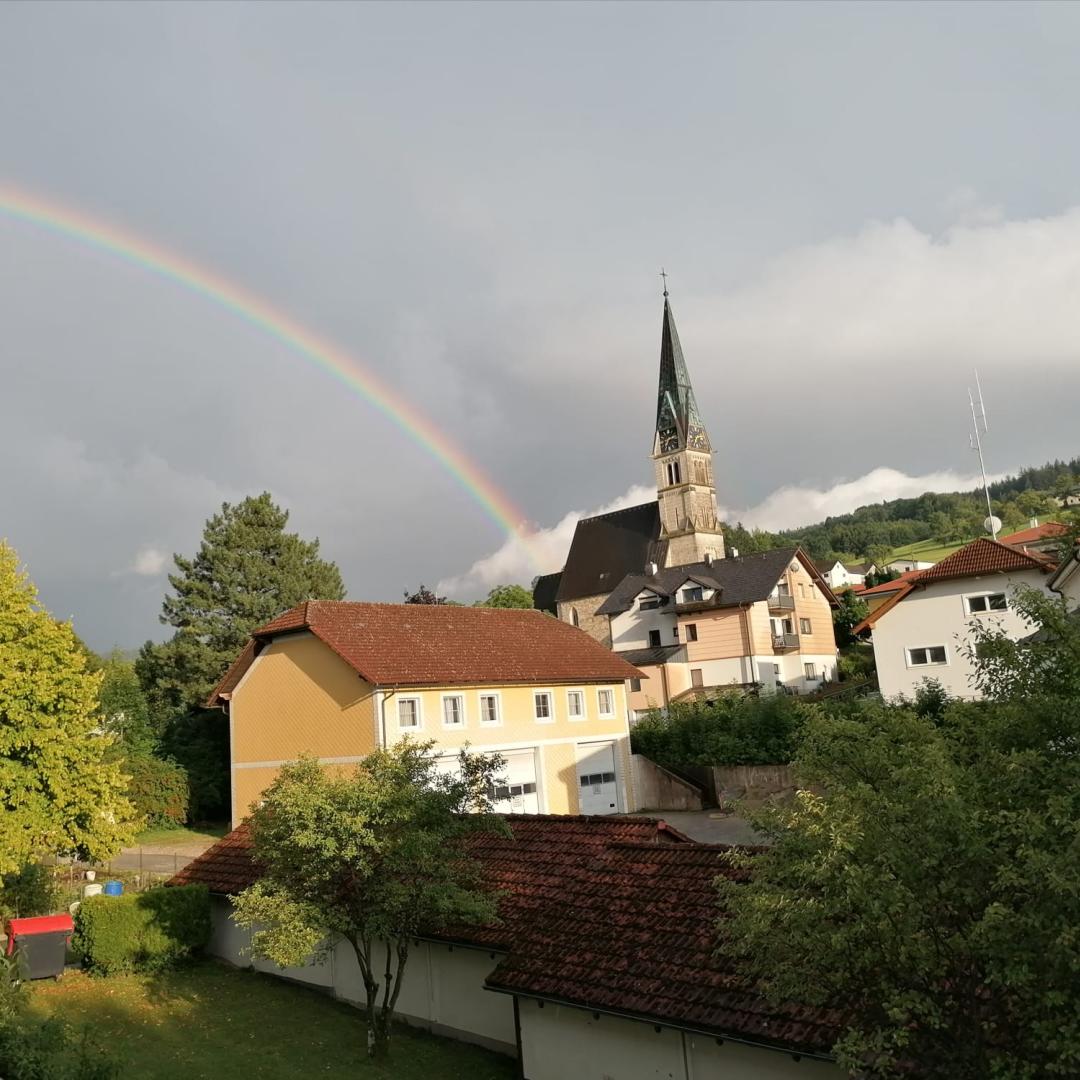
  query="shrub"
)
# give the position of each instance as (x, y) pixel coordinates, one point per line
(147, 931)
(158, 788)
(733, 730)
(31, 891)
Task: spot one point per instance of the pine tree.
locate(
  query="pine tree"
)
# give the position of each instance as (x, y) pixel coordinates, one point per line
(59, 792)
(247, 570)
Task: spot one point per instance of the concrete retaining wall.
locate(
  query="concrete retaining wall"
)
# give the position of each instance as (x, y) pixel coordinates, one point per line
(752, 783)
(658, 789)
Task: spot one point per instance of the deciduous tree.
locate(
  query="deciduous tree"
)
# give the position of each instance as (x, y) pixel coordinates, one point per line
(927, 882)
(507, 596)
(58, 791)
(376, 857)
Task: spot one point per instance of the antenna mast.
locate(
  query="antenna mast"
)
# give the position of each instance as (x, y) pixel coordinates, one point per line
(976, 445)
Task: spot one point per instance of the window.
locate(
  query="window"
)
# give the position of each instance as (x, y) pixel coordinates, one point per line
(489, 709)
(635, 685)
(574, 617)
(692, 593)
(649, 603)
(675, 634)
(654, 639)
(691, 631)
(606, 700)
(804, 626)
(987, 602)
(701, 474)
(673, 475)
(810, 671)
(453, 710)
(802, 591)
(928, 654)
(408, 711)
(575, 704)
(596, 779)
(696, 678)
(542, 706)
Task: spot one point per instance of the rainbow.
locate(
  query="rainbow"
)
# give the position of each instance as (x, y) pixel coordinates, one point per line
(334, 361)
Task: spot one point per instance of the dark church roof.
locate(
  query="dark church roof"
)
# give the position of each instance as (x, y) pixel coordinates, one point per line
(608, 547)
(742, 580)
(546, 591)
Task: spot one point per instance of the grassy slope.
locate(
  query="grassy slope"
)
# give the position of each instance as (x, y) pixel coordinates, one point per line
(925, 551)
(211, 1021)
(174, 837)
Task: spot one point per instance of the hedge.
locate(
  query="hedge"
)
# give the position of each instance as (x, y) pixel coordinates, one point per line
(147, 931)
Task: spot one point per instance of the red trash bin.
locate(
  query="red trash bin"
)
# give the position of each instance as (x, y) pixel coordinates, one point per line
(41, 944)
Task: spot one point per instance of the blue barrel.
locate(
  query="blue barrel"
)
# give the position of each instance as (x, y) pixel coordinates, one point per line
(114, 888)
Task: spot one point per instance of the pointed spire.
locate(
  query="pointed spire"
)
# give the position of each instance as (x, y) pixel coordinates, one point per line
(678, 424)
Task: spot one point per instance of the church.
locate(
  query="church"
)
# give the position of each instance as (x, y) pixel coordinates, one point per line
(655, 583)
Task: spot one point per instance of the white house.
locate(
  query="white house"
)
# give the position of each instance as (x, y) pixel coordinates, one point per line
(905, 566)
(924, 630)
(1065, 581)
(567, 981)
(841, 575)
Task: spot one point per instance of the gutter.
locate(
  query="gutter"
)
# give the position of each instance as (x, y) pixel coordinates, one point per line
(621, 1014)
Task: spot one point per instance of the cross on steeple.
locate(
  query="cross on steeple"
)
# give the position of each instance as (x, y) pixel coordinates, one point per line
(663, 274)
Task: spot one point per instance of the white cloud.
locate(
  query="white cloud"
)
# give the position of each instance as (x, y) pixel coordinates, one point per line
(149, 562)
(787, 508)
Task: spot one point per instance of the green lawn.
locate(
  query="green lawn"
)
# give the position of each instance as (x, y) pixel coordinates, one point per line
(159, 837)
(213, 1021)
(925, 551)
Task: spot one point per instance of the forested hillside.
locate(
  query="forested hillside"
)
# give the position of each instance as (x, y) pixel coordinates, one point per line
(952, 517)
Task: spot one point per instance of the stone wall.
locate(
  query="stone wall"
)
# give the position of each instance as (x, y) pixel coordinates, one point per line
(658, 789)
(752, 783)
(596, 626)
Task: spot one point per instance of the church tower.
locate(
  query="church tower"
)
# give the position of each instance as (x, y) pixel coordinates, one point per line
(683, 457)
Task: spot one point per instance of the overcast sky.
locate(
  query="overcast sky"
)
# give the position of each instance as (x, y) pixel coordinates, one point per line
(855, 204)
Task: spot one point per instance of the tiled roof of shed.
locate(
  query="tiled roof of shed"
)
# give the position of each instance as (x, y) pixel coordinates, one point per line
(226, 867)
(1048, 530)
(984, 556)
(634, 933)
(441, 645)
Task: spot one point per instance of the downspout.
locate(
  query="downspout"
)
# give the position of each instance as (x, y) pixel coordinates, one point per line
(664, 684)
(748, 649)
(382, 715)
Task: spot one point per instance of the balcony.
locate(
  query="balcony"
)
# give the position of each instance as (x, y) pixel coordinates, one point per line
(781, 602)
(783, 642)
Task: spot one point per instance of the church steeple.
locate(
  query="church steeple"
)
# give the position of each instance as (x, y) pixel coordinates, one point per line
(683, 458)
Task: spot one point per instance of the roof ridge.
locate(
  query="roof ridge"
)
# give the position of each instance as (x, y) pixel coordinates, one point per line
(613, 513)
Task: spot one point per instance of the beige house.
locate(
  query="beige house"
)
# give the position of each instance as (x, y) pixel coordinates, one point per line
(338, 680)
(763, 620)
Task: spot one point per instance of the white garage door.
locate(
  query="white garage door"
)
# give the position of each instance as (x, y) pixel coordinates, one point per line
(597, 780)
(516, 793)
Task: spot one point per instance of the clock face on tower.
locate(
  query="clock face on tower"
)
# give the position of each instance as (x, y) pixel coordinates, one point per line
(669, 440)
(696, 438)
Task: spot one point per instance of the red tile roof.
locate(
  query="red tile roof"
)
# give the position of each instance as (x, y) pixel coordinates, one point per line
(442, 645)
(227, 867)
(985, 556)
(612, 914)
(634, 933)
(1047, 531)
(887, 587)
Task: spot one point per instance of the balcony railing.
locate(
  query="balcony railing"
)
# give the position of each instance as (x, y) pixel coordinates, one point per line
(781, 602)
(785, 641)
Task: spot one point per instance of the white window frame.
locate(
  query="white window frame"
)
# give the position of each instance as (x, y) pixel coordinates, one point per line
(583, 715)
(926, 648)
(550, 719)
(599, 702)
(986, 595)
(805, 625)
(497, 722)
(461, 710)
(419, 702)
(688, 589)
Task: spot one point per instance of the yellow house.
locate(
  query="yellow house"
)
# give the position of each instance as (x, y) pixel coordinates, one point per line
(338, 679)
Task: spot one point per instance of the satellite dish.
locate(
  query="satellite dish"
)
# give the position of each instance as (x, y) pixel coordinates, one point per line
(992, 525)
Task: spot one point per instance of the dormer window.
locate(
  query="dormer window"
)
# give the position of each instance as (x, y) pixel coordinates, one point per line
(692, 594)
(649, 603)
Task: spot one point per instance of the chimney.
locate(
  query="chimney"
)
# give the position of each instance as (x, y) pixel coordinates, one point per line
(708, 558)
(650, 569)
(734, 553)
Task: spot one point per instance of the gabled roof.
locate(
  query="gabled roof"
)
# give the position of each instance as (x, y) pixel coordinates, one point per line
(742, 580)
(887, 587)
(980, 557)
(1049, 530)
(656, 654)
(406, 645)
(607, 547)
(226, 867)
(633, 933)
(985, 556)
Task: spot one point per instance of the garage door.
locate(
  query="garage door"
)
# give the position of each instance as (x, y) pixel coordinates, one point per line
(597, 780)
(516, 793)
